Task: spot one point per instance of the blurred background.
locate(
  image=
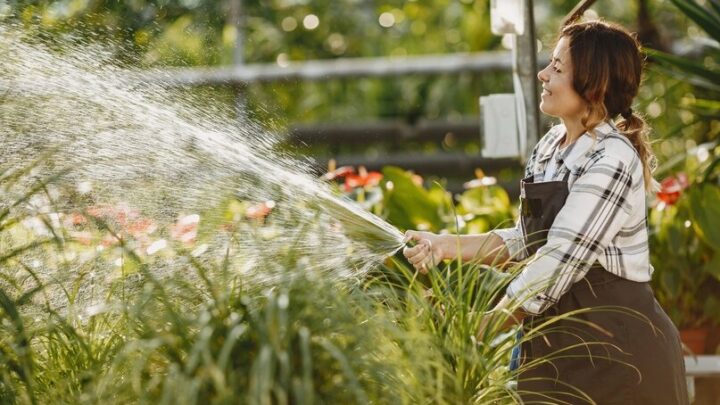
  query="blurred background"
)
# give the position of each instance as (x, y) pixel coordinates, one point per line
(428, 122)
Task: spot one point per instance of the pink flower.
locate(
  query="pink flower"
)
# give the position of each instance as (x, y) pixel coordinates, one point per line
(141, 227)
(109, 240)
(82, 237)
(120, 214)
(259, 211)
(185, 229)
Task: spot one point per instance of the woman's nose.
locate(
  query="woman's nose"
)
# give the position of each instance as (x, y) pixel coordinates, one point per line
(542, 76)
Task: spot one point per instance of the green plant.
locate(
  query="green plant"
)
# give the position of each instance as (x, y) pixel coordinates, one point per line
(686, 256)
(684, 244)
(189, 327)
(402, 199)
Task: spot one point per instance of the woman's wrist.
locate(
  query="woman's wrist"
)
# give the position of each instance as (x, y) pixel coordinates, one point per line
(448, 246)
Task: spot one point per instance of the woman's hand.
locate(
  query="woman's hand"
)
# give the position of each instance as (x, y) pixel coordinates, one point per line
(429, 250)
(513, 319)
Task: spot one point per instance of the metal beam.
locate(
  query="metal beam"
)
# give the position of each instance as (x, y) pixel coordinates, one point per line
(336, 68)
(394, 131)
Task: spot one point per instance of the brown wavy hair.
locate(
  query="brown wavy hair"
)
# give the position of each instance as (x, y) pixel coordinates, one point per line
(607, 71)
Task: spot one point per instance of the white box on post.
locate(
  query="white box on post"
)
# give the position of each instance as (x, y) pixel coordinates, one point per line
(501, 137)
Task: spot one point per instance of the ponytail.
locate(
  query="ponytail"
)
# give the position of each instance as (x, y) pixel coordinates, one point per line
(633, 126)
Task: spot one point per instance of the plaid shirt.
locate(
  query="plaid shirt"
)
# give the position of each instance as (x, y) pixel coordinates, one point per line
(604, 218)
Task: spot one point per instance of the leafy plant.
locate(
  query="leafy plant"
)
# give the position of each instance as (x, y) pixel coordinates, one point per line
(684, 242)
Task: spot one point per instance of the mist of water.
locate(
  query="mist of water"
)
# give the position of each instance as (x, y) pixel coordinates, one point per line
(133, 144)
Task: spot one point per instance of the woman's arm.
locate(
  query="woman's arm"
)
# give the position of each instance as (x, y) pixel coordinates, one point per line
(488, 248)
(432, 248)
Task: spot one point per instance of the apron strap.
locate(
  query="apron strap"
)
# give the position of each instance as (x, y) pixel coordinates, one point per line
(567, 176)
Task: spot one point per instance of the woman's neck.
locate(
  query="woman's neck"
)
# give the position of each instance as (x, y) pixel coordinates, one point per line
(573, 130)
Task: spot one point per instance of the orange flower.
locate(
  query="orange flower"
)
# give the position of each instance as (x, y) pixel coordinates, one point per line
(75, 219)
(362, 179)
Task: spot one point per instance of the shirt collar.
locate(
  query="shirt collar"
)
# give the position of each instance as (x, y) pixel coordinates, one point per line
(578, 148)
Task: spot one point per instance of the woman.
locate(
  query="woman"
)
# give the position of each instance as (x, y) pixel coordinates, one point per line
(583, 231)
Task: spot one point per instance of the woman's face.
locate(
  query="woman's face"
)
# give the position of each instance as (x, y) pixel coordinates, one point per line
(559, 98)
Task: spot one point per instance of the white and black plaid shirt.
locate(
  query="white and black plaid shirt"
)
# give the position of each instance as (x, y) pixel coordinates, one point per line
(604, 218)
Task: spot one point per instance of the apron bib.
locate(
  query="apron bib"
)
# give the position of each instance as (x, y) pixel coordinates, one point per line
(620, 359)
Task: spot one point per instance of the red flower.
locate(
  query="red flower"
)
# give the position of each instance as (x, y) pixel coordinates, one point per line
(671, 188)
(362, 179)
(339, 173)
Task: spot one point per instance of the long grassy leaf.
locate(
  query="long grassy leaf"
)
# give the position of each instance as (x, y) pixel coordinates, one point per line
(705, 18)
(40, 185)
(21, 340)
(4, 257)
(715, 4)
(709, 78)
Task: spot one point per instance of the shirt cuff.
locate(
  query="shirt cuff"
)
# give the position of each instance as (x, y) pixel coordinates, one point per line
(514, 242)
(532, 302)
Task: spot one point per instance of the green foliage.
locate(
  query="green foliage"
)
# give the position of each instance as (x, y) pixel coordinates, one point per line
(409, 205)
(705, 213)
(708, 18)
(402, 200)
(192, 328)
(685, 277)
(701, 72)
(684, 238)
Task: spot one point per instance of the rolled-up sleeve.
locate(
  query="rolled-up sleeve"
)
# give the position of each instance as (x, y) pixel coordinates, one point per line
(596, 209)
(514, 241)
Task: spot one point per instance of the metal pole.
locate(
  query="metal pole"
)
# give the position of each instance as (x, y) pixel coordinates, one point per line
(526, 83)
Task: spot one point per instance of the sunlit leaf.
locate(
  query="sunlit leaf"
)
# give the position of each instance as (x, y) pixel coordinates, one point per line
(705, 213)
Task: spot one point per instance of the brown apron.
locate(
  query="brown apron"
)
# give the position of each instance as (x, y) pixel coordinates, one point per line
(619, 358)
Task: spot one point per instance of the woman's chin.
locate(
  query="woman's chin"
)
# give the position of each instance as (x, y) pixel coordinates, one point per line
(545, 109)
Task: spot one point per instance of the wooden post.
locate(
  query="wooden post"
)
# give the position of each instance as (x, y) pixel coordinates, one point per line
(525, 80)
